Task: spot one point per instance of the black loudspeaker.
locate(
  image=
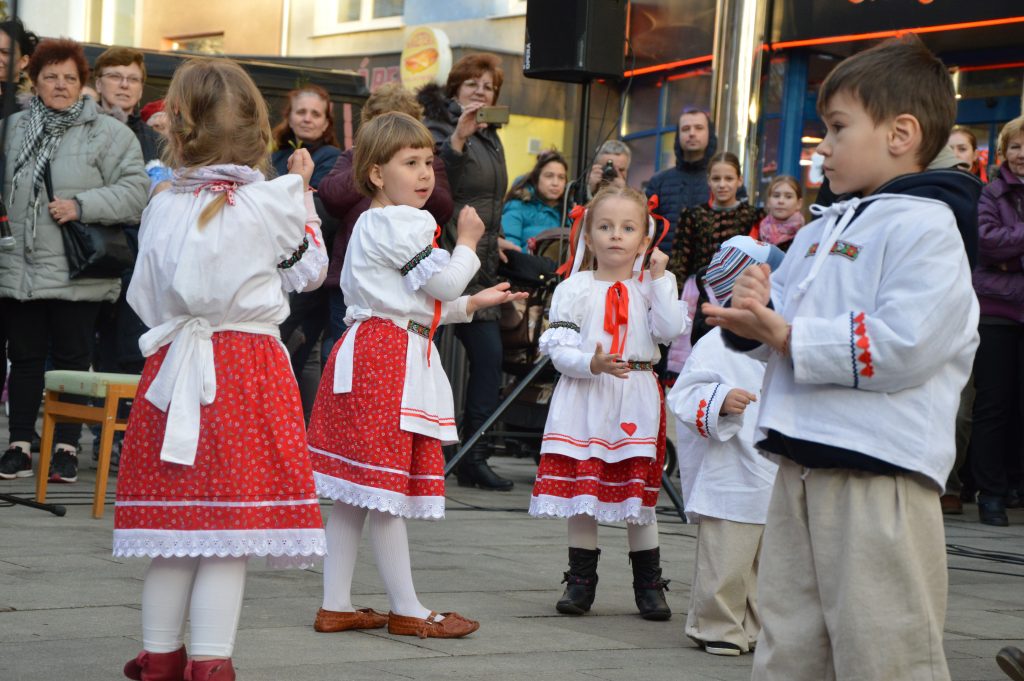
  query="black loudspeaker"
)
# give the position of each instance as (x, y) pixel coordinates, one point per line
(575, 40)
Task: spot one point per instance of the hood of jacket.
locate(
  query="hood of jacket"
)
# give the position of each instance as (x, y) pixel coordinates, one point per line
(1003, 182)
(708, 153)
(958, 189)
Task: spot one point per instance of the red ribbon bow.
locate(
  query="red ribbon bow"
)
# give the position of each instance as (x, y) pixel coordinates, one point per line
(436, 319)
(652, 206)
(616, 315)
(576, 214)
(220, 186)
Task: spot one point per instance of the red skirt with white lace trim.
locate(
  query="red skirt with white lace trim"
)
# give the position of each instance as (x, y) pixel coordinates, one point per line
(251, 489)
(610, 492)
(360, 454)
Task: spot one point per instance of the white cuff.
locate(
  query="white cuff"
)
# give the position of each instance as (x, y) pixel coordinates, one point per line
(421, 273)
(304, 266)
(565, 334)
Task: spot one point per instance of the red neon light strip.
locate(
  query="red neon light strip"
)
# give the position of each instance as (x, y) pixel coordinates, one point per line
(892, 33)
(853, 37)
(992, 67)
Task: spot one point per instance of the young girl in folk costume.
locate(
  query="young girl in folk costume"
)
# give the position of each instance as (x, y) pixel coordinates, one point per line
(726, 482)
(784, 219)
(604, 441)
(384, 407)
(214, 467)
(700, 232)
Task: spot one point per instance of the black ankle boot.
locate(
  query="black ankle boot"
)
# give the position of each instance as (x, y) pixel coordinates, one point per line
(992, 510)
(580, 581)
(648, 586)
(473, 471)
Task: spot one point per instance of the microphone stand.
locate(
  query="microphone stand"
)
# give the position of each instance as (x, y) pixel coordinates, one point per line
(7, 240)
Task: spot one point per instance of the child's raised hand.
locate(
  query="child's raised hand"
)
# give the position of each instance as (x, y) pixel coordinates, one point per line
(604, 363)
(753, 284)
(469, 227)
(495, 295)
(301, 163)
(659, 261)
(754, 321)
(737, 400)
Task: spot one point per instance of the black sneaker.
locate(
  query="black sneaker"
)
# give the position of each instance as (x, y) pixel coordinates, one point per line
(722, 648)
(15, 464)
(63, 466)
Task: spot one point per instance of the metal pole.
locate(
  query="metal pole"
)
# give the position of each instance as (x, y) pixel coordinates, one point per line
(673, 495)
(740, 29)
(502, 408)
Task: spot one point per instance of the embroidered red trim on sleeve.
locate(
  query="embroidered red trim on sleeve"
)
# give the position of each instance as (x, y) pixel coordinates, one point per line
(700, 419)
(863, 344)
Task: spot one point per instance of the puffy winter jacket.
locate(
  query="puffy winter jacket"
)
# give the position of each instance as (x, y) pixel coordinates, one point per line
(99, 163)
(685, 185)
(998, 278)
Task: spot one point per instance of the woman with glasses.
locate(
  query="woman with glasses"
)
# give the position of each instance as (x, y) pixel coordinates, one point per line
(475, 160)
(98, 177)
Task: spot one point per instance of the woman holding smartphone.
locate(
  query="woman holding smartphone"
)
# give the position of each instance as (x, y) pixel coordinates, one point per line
(475, 161)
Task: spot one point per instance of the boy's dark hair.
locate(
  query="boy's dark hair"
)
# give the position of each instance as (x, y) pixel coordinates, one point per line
(899, 76)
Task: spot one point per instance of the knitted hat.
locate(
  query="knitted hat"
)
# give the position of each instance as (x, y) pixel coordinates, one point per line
(734, 256)
(153, 107)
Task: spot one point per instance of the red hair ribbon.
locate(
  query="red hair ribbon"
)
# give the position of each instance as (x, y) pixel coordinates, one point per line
(576, 214)
(220, 186)
(616, 315)
(652, 206)
(436, 319)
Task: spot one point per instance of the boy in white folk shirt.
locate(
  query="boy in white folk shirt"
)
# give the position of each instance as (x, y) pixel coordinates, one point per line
(870, 327)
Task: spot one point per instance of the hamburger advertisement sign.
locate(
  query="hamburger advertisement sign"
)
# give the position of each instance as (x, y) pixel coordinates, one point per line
(426, 58)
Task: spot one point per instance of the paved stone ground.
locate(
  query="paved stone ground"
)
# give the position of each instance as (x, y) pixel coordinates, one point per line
(70, 610)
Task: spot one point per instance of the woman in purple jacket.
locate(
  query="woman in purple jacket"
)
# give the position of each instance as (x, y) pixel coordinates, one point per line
(996, 443)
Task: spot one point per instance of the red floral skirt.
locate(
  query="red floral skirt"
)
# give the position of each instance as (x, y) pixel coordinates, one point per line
(251, 489)
(610, 492)
(360, 454)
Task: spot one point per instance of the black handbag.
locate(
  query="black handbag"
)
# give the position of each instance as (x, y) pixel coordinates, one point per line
(93, 251)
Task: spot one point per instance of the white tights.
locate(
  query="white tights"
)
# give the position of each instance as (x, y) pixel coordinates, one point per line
(583, 534)
(206, 591)
(390, 543)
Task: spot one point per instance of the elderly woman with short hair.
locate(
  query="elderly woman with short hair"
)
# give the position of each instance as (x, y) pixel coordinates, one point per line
(98, 177)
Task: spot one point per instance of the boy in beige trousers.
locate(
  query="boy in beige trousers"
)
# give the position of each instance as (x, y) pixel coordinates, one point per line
(870, 328)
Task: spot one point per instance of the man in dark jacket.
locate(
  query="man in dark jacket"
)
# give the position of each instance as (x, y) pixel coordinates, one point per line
(685, 185)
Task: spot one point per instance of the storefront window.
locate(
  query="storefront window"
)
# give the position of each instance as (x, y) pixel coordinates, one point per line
(643, 110)
(641, 167)
(664, 31)
(686, 90)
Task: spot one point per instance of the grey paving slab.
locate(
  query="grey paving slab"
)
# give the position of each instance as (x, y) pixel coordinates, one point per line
(70, 610)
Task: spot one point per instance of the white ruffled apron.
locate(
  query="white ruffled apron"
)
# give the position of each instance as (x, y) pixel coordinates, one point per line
(427, 405)
(187, 378)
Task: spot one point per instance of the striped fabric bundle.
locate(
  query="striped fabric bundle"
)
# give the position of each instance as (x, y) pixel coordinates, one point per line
(734, 256)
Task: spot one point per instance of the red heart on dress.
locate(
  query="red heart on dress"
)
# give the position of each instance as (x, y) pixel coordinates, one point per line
(630, 428)
(863, 343)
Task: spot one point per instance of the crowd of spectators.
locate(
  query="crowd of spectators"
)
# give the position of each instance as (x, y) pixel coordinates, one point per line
(102, 147)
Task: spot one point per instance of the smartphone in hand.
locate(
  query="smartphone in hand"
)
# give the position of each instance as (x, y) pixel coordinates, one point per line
(492, 114)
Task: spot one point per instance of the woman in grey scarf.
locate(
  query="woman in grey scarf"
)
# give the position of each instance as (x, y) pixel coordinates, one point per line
(98, 177)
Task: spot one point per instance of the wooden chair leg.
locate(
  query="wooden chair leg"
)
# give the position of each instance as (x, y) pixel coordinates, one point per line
(106, 447)
(45, 447)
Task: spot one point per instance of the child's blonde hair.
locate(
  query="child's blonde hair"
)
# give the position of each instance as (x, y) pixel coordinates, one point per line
(786, 179)
(217, 115)
(608, 192)
(380, 139)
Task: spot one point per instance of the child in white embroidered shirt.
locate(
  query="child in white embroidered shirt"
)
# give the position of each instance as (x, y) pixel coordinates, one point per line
(214, 467)
(604, 441)
(726, 483)
(873, 323)
(384, 407)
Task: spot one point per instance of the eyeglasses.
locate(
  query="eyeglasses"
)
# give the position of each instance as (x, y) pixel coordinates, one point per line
(119, 79)
(473, 85)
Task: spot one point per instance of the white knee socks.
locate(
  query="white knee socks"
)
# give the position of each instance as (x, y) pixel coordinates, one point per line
(390, 543)
(583, 534)
(344, 530)
(391, 549)
(211, 588)
(642, 537)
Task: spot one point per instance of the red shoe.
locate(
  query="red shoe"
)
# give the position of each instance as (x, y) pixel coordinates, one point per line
(210, 670)
(157, 666)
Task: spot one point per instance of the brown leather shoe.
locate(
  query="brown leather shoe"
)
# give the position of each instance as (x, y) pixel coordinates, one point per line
(453, 625)
(328, 621)
(951, 504)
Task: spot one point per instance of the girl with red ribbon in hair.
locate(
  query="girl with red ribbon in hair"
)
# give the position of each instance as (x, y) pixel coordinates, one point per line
(384, 407)
(604, 441)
